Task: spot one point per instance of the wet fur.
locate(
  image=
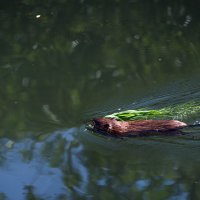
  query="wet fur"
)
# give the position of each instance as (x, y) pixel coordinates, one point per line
(137, 127)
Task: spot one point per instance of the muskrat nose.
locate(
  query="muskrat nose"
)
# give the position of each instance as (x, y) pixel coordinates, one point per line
(90, 125)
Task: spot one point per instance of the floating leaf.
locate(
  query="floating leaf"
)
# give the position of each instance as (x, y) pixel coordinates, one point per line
(178, 112)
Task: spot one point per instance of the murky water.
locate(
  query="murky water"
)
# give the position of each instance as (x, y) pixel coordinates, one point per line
(64, 62)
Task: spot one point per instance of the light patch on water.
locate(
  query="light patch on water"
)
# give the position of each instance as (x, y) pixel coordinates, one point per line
(37, 16)
(188, 19)
(25, 81)
(181, 196)
(36, 174)
(101, 182)
(49, 113)
(168, 182)
(75, 43)
(16, 175)
(142, 184)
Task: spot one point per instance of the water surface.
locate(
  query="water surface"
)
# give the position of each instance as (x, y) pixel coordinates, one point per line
(64, 62)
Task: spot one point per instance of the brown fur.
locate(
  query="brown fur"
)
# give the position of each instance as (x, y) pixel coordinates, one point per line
(136, 127)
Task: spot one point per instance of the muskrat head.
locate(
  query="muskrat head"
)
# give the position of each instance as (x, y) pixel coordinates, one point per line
(101, 124)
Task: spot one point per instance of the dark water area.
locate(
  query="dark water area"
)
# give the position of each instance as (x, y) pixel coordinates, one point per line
(65, 62)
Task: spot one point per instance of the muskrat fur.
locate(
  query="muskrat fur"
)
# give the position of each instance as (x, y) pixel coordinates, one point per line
(136, 127)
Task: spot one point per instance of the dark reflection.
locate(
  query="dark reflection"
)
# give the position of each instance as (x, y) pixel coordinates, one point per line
(64, 62)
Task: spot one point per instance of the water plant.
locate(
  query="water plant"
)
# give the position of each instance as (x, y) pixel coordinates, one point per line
(172, 112)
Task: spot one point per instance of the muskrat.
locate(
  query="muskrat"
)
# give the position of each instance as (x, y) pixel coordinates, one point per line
(136, 127)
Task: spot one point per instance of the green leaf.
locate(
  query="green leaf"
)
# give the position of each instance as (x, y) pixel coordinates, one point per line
(138, 114)
(173, 112)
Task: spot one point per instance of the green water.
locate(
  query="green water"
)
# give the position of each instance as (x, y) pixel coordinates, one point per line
(64, 62)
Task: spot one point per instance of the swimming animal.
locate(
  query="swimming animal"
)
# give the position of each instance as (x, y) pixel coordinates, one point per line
(148, 127)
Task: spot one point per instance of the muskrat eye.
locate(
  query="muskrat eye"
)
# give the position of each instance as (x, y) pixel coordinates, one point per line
(97, 123)
(106, 126)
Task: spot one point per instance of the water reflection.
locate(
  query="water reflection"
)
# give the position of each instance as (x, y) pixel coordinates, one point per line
(66, 62)
(38, 167)
(73, 163)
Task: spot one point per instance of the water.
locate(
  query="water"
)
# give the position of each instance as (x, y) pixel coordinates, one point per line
(64, 62)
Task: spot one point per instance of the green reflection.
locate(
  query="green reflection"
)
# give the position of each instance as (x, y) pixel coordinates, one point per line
(61, 59)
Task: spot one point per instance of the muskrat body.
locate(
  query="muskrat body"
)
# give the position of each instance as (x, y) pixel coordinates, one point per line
(136, 127)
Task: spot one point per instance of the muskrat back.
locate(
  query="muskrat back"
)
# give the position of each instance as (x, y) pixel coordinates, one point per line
(136, 127)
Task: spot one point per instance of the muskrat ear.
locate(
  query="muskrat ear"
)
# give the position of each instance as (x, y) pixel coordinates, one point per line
(96, 121)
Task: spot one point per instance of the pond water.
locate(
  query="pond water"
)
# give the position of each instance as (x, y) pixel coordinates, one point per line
(65, 62)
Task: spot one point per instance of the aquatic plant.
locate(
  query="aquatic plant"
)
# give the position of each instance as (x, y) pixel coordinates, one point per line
(172, 112)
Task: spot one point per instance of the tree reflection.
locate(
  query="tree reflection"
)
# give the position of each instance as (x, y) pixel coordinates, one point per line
(71, 55)
(57, 60)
